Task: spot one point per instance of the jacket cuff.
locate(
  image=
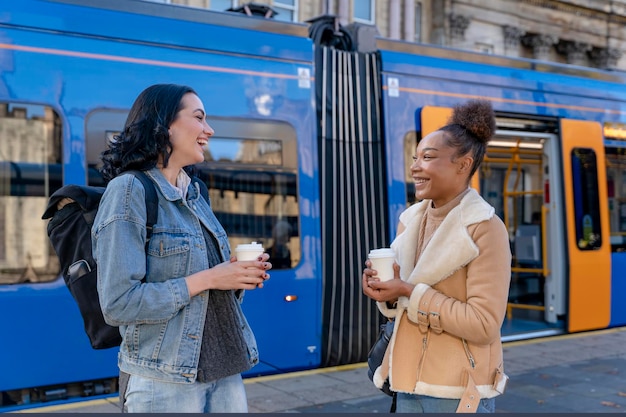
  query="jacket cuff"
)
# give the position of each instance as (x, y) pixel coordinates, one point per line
(180, 292)
(379, 379)
(416, 303)
(385, 310)
(433, 311)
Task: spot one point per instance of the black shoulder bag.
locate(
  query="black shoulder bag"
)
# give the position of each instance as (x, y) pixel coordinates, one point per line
(377, 353)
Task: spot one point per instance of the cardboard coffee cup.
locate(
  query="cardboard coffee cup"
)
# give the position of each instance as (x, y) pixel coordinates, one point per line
(248, 251)
(382, 261)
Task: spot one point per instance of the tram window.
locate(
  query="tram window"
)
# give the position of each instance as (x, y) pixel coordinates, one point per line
(249, 152)
(251, 170)
(30, 170)
(100, 127)
(616, 187)
(254, 194)
(586, 198)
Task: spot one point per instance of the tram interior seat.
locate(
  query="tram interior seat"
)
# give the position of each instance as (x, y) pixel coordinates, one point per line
(528, 245)
(527, 286)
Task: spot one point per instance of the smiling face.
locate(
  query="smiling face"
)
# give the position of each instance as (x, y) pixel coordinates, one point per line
(189, 133)
(437, 174)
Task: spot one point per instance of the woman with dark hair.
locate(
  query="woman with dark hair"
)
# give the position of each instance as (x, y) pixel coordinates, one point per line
(453, 268)
(185, 340)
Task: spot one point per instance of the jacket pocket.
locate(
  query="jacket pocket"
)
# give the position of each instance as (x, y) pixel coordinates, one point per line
(168, 257)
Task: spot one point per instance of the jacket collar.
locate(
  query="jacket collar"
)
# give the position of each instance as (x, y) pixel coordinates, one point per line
(170, 192)
(451, 246)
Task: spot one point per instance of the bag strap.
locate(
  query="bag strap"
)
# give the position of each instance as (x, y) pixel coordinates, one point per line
(152, 205)
(152, 202)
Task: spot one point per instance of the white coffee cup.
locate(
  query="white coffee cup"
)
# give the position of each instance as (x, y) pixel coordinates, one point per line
(248, 251)
(382, 261)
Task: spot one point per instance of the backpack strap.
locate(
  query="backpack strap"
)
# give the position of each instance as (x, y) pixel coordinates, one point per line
(152, 202)
(87, 197)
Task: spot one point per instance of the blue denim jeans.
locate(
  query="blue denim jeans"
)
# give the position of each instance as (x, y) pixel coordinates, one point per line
(410, 403)
(147, 395)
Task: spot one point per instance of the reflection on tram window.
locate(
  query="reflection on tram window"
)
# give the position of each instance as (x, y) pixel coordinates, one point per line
(30, 170)
(586, 198)
(244, 151)
(251, 171)
(254, 196)
(616, 188)
(410, 143)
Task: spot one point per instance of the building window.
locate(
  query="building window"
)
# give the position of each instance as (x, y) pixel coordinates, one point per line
(418, 22)
(364, 11)
(286, 10)
(484, 48)
(222, 5)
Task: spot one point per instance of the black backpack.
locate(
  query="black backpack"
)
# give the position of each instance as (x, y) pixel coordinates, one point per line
(69, 231)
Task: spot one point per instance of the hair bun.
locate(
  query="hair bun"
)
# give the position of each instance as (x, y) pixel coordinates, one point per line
(477, 117)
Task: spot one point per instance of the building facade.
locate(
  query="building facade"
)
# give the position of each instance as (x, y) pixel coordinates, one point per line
(590, 33)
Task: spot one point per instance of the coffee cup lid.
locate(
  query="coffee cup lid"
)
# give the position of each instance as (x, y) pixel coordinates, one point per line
(250, 246)
(382, 253)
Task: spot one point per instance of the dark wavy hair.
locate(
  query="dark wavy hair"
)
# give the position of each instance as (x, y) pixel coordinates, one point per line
(469, 129)
(145, 137)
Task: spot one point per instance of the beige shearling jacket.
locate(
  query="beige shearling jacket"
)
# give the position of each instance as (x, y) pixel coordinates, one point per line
(446, 341)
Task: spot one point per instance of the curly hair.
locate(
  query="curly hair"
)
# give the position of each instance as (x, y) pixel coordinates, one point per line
(470, 127)
(145, 138)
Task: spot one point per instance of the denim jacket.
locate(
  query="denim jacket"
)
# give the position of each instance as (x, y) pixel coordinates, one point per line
(161, 326)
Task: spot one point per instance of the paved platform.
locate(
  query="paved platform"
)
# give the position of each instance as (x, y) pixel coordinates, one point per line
(579, 373)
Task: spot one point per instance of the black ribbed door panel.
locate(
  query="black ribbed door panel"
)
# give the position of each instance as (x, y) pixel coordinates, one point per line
(353, 196)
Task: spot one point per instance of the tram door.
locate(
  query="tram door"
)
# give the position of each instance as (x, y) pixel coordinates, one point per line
(517, 178)
(587, 223)
(521, 178)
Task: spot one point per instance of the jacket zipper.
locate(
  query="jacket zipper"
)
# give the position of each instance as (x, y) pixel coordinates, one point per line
(421, 362)
(469, 354)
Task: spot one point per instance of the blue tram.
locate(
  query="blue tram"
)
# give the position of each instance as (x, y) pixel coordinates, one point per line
(315, 127)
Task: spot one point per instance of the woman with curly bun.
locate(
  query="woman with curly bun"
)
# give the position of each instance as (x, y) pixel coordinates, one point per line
(453, 269)
(185, 340)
